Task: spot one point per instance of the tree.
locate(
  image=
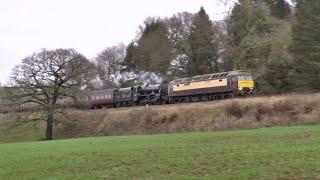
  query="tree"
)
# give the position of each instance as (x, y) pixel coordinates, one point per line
(44, 77)
(129, 59)
(275, 78)
(203, 45)
(109, 63)
(179, 29)
(306, 45)
(279, 8)
(153, 50)
(196, 43)
(249, 29)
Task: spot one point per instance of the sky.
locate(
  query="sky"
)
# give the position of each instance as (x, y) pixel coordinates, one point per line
(88, 26)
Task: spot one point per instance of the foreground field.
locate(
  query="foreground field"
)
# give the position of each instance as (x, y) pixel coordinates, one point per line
(267, 153)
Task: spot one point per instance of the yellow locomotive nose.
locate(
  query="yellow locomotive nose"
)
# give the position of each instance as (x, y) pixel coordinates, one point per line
(245, 84)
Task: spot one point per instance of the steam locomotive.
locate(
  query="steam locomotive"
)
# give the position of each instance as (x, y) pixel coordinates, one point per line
(206, 87)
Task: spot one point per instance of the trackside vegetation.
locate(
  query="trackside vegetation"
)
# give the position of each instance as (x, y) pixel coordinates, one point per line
(267, 153)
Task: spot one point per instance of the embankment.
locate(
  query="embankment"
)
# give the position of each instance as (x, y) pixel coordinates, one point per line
(247, 113)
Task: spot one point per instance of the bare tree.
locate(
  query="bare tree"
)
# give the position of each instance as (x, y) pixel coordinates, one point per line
(179, 29)
(44, 77)
(109, 64)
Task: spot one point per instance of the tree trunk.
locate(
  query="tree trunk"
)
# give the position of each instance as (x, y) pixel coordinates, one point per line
(49, 130)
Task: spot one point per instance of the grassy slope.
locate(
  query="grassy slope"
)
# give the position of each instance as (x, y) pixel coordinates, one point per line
(24, 132)
(268, 153)
(247, 113)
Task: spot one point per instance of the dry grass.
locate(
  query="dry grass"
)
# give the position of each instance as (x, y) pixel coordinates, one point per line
(210, 116)
(247, 113)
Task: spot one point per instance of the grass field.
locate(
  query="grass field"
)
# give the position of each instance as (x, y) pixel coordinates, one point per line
(267, 153)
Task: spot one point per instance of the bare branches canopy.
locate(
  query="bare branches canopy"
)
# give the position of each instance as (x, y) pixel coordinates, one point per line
(44, 77)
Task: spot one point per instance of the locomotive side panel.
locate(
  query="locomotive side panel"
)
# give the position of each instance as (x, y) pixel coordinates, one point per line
(200, 87)
(123, 95)
(151, 94)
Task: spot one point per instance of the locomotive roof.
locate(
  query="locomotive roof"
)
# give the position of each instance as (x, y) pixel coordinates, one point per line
(151, 86)
(207, 76)
(124, 89)
(101, 91)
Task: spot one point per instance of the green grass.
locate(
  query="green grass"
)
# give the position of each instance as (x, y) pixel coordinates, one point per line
(268, 153)
(22, 133)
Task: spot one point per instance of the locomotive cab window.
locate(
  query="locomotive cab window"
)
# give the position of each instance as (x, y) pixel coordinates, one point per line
(244, 77)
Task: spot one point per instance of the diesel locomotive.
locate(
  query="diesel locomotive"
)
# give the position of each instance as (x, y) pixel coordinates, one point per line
(210, 87)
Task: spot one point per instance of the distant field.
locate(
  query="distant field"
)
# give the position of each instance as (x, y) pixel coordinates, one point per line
(267, 153)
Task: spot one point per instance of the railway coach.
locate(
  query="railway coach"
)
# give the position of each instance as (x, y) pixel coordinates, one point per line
(99, 99)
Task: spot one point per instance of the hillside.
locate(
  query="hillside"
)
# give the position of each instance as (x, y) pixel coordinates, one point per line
(268, 153)
(247, 113)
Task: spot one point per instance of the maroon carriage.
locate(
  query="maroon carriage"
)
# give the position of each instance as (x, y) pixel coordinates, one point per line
(103, 98)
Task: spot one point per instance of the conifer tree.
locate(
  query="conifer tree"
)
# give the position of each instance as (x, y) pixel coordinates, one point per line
(129, 60)
(279, 8)
(306, 45)
(152, 51)
(203, 47)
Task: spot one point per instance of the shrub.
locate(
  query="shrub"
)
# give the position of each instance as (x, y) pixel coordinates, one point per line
(234, 109)
(308, 109)
(173, 117)
(283, 106)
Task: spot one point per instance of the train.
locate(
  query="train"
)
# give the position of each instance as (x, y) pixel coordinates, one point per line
(208, 87)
